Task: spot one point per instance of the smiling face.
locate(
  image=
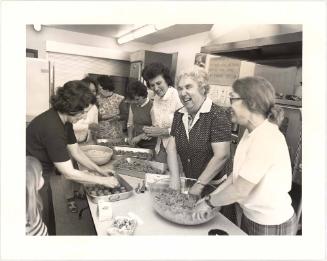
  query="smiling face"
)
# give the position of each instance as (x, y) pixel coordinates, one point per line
(239, 111)
(190, 94)
(159, 85)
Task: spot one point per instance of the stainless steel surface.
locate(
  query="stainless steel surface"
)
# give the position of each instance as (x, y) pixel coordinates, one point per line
(112, 142)
(114, 197)
(133, 152)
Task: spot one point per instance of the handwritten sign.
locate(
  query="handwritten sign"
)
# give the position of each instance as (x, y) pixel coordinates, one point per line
(223, 71)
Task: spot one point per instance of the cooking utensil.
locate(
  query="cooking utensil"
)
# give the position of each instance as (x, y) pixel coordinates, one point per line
(125, 191)
(98, 154)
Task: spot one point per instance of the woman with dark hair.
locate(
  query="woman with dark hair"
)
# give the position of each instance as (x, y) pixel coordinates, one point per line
(83, 127)
(165, 103)
(262, 174)
(139, 116)
(50, 138)
(110, 124)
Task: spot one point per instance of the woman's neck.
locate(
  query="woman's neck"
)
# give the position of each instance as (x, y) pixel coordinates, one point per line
(254, 121)
(62, 117)
(193, 113)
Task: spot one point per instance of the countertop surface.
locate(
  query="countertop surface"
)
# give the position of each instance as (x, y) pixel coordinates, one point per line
(151, 223)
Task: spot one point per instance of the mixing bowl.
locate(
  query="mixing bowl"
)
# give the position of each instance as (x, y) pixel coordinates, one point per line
(98, 154)
(178, 207)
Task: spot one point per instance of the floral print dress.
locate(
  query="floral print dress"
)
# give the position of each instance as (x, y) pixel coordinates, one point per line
(109, 106)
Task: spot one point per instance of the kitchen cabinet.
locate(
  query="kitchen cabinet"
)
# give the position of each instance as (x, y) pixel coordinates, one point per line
(142, 58)
(38, 87)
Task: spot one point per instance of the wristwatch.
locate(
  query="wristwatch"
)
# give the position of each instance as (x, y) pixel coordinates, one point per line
(207, 200)
(200, 183)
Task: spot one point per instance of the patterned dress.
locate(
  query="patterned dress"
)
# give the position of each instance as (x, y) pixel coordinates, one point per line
(109, 106)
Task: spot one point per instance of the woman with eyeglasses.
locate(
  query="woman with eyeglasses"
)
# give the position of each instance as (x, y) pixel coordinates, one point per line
(50, 138)
(262, 174)
(82, 128)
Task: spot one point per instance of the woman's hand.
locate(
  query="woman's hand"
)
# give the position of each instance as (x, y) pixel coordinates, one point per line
(196, 189)
(105, 173)
(175, 184)
(93, 126)
(201, 210)
(155, 131)
(114, 118)
(110, 182)
(143, 136)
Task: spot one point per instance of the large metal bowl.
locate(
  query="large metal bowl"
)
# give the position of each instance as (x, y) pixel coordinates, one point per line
(98, 154)
(178, 207)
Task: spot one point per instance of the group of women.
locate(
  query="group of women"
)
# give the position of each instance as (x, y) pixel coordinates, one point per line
(183, 127)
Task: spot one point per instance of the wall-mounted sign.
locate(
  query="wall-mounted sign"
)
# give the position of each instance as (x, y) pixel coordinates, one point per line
(200, 59)
(223, 71)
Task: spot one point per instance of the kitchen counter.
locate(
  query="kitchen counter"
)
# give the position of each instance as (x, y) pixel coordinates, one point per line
(151, 223)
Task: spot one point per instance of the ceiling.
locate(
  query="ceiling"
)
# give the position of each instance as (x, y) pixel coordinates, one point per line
(116, 30)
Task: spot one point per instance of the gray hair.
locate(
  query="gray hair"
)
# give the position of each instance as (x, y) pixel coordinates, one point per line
(198, 74)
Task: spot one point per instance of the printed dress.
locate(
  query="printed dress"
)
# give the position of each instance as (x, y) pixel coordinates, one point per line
(109, 106)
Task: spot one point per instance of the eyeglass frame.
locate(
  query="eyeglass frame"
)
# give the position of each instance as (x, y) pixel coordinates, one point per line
(235, 98)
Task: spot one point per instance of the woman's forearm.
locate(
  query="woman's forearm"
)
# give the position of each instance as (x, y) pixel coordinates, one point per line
(66, 168)
(213, 168)
(84, 160)
(232, 192)
(226, 196)
(130, 132)
(172, 159)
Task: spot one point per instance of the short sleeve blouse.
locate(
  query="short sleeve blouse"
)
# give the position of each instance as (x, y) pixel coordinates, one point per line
(196, 151)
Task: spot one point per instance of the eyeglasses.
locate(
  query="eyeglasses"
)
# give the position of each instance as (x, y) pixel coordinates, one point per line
(231, 99)
(73, 113)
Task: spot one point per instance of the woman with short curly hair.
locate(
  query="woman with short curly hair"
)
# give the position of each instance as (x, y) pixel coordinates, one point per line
(50, 138)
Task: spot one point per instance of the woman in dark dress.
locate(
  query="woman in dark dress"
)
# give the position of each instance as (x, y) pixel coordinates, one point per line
(50, 138)
(139, 116)
(200, 134)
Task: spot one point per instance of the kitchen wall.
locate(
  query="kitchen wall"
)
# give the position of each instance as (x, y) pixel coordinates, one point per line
(186, 47)
(37, 40)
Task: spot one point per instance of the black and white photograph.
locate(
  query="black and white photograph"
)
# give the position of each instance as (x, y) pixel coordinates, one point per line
(135, 131)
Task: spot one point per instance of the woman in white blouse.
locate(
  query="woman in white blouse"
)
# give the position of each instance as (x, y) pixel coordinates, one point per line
(262, 174)
(166, 102)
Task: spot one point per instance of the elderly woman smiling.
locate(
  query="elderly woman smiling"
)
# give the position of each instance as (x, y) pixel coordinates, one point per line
(262, 174)
(200, 134)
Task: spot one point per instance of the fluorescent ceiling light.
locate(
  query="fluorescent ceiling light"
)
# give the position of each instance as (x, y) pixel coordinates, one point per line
(37, 27)
(142, 31)
(162, 26)
(148, 29)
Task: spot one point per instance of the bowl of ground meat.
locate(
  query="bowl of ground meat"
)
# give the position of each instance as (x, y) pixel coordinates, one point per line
(179, 206)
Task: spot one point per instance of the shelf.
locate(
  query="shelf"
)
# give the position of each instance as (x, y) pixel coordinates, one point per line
(272, 49)
(289, 102)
